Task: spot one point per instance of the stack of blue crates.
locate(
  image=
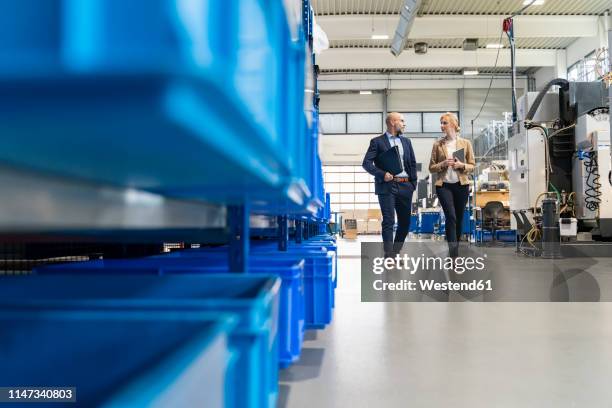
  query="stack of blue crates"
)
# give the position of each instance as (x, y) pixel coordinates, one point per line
(121, 359)
(427, 221)
(253, 300)
(308, 272)
(481, 235)
(291, 303)
(414, 224)
(145, 95)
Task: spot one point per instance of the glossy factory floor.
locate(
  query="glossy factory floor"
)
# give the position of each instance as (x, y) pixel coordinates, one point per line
(463, 354)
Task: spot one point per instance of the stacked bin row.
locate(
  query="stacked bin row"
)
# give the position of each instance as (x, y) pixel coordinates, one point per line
(307, 270)
(154, 358)
(144, 95)
(429, 222)
(116, 86)
(269, 308)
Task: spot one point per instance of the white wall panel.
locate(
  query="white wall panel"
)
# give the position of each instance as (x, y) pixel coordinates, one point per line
(352, 102)
(347, 149)
(420, 100)
(499, 101)
(544, 75)
(350, 149)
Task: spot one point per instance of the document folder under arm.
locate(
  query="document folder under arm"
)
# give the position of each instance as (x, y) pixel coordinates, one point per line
(389, 161)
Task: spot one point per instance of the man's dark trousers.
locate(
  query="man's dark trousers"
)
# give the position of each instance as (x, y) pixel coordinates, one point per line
(398, 200)
(393, 196)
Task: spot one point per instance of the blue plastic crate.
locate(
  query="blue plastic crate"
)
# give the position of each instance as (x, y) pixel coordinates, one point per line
(253, 299)
(466, 227)
(324, 237)
(319, 275)
(482, 235)
(327, 213)
(291, 270)
(154, 70)
(414, 223)
(500, 235)
(291, 304)
(506, 235)
(329, 242)
(324, 240)
(427, 220)
(320, 280)
(121, 359)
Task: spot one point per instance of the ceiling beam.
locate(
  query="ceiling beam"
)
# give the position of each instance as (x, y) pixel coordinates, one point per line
(356, 82)
(381, 58)
(359, 27)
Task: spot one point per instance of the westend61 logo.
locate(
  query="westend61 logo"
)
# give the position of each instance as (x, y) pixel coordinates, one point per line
(423, 271)
(414, 264)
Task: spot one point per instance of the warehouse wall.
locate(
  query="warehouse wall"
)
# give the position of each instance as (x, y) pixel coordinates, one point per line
(423, 100)
(544, 75)
(354, 102)
(398, 100)
(582, 47)
(343, 149)
(499, 101)
(350, 148)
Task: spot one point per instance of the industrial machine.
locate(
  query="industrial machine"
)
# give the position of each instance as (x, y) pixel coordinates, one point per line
(591, 172)
(527, 151)
(559, 149)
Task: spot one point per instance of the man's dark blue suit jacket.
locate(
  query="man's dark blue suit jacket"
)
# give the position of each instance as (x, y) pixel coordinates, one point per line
(379, 145)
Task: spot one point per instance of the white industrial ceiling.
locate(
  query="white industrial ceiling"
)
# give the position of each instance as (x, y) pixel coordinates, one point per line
(542, 43)
(474, 7)
(444, 25)
(442, 70)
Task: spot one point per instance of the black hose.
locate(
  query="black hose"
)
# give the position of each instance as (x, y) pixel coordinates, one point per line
(592, 193)
(563, 83)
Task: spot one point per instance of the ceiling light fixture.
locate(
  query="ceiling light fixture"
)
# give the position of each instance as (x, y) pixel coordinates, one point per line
(495, 45)
(365, 92)
(470, 72)
(535, 3)
(380, 37)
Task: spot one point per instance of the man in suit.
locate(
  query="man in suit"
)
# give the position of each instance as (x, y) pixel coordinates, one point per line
(394, 192)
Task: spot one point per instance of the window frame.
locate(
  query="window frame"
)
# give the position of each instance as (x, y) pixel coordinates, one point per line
(336, 113)
(382, 129)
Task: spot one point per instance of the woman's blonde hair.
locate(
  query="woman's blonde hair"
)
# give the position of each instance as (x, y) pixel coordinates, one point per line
(452, 119)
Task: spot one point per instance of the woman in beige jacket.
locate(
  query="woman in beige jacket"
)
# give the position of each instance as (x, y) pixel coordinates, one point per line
(452, 181)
